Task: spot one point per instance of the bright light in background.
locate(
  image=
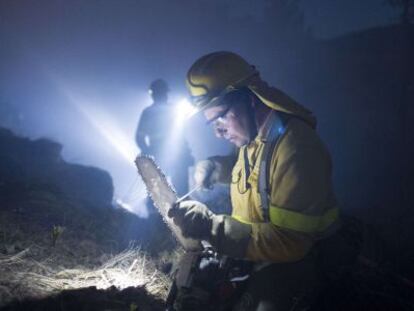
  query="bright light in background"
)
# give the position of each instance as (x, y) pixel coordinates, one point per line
(116, 141)
(184, 110)
(108, 128)
(170, 151)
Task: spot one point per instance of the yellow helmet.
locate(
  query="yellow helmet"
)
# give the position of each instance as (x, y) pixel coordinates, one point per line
(216, 74)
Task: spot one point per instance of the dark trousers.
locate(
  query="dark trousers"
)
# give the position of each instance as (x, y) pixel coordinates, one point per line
(282, 287)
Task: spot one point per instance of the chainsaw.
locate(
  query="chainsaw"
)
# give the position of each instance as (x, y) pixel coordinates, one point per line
(204, 279)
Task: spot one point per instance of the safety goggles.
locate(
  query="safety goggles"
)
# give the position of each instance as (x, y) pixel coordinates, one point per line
(221, 117)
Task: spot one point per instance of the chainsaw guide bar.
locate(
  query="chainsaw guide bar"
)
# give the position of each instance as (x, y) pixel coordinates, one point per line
(162, 193)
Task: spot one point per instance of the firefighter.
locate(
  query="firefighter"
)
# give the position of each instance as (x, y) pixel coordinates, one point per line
(154, 133)
(282, 196)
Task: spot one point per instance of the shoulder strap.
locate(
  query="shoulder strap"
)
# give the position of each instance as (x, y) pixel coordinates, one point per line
(272, 137)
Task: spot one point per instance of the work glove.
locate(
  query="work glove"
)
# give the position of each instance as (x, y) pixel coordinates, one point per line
(207, 173)
(228, 235)
(193, 218)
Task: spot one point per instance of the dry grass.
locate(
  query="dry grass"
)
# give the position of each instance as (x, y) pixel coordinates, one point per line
(22, 276)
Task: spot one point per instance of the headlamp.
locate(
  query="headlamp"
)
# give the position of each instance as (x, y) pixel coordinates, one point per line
(185, 110)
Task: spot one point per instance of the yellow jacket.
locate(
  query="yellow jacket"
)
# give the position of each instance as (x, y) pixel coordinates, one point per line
(302, 204)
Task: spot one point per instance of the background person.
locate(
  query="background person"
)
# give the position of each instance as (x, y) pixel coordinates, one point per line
(156, 136)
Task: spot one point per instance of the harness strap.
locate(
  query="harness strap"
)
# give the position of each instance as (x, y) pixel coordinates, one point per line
(272, 138)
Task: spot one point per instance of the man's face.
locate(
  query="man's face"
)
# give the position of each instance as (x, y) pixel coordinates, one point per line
(230, 122)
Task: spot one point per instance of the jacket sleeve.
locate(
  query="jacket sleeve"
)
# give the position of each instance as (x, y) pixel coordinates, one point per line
(301, 191)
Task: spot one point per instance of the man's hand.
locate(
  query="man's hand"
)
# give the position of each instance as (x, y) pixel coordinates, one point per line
(206, 173)
(227, 235)
(193, 218)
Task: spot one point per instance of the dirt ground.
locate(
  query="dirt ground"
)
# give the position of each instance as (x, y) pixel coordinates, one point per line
(52, 247)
